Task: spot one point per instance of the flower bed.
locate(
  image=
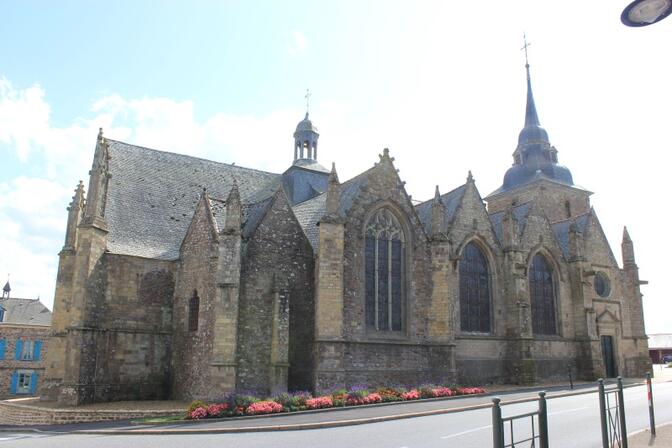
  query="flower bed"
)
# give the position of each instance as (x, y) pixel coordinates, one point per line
(248, 404)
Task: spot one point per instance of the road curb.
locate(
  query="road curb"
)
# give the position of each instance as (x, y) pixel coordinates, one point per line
(330, 424)
(308, 426)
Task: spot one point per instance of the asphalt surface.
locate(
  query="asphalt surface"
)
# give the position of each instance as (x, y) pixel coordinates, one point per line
(573, 422)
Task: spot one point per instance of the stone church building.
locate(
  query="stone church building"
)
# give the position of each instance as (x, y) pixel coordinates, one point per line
(188, 278)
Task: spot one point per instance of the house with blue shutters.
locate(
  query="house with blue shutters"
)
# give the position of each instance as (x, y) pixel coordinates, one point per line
(24, 330)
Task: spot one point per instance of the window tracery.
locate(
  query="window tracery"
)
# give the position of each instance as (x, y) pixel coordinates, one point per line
(384, 272)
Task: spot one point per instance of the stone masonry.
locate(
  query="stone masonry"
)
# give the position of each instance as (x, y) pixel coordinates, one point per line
(186, 278)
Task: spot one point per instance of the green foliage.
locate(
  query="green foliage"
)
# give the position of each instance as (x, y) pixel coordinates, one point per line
(245, 400)
(195, 405)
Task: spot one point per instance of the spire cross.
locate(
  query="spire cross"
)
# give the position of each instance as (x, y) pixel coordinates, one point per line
(307, 97)
(527, 64)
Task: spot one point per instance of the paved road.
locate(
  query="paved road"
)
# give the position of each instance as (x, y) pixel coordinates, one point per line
(573, 423)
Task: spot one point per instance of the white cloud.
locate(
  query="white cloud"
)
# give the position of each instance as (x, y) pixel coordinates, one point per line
(298, 44)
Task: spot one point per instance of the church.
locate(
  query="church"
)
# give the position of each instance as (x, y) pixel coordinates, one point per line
(188, 278)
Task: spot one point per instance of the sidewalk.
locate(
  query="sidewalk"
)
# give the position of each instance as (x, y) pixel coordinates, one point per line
(643, 439)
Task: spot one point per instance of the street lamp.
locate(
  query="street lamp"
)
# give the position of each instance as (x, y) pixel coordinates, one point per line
(646, 12)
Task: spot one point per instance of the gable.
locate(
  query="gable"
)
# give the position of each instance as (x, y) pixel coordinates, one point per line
(450, 201)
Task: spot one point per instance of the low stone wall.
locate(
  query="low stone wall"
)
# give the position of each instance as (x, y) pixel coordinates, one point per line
(23, 412)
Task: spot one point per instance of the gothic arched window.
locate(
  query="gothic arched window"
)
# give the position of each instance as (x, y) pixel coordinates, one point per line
(542, 296)
(194, 304)
(384, 272)
(474, 290)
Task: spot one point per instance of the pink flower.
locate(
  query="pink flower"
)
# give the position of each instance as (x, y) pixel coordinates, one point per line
(216, 410)
(470, 390)
(319, 402)
(198, 413)
(411, 395)
(442, 392)
(263, 407)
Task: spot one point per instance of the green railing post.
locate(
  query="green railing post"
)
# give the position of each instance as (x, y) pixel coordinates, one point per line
(497, 424)
(649, 393)
(621, 414)
(543, 421)
(603, 414)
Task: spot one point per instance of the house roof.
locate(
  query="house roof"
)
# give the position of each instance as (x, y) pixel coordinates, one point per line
(152, 196)
(25, 311)
(660, 341)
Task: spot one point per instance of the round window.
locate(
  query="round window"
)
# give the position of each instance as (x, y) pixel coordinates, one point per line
(601, 284)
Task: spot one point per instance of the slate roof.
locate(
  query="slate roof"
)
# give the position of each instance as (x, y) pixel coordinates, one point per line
(25, 311)
(252, 214)
(450, 200)
(561, 230)
(308, 213)
(302, 183)
(658, 341)
(310, 164)
(519, 212)
(152, 196)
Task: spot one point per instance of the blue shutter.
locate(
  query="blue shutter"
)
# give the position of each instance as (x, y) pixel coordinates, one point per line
(37, 347)
(15, 381)
(17, 352)
(3, 345)
(33, 383)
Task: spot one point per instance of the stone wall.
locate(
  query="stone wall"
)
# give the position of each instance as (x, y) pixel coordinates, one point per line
(277, 264)
(131, 334)
(22, 413)
(10, 333)
(192, 350)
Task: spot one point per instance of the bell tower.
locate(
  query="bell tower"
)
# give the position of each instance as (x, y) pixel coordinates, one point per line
(306, 136)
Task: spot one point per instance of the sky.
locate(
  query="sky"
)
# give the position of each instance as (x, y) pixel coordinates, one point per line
(441, 83)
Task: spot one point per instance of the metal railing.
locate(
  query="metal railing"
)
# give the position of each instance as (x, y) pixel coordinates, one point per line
(612, 415)
(538, 437)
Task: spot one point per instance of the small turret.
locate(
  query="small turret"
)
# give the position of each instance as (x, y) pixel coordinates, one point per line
(509, 229)
(99, 176)
(233, 220)
(627, 250)
(333, 193)
(575, 239)
(306, 136)
(438, 217)
(75, 210)
(6, 290)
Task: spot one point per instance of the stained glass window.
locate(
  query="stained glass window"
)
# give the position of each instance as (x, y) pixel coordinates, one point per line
(474, 290)
(384, 272)
(542, 296)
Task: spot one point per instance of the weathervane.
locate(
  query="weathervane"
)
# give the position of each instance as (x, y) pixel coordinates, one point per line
(308, 95)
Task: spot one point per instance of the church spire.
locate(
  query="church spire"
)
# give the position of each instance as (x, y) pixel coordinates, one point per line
(532, 131)
(531, 117)
(534, 157)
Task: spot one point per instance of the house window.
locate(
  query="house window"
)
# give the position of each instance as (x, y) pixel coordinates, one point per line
(384, 272)
(542, 296)
(27, 348)
(2, 314)
(474, 290)
(194, 304)
(23, 382)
